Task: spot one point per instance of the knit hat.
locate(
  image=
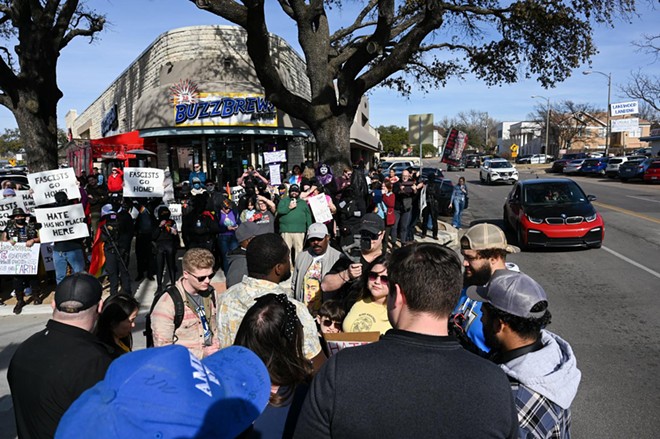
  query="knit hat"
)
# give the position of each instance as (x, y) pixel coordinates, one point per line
(78, 292)
(485, 236)
(167, 392)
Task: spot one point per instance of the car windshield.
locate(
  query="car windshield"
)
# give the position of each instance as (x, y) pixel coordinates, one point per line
(591, 162)
(553, 193)
(503, 164)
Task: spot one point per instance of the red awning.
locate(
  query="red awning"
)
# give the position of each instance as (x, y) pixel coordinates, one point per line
(118, 145)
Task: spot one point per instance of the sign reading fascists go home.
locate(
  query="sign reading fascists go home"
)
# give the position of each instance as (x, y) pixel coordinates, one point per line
(624, 108)
(144, 182)
(62, 223)
(46, 184)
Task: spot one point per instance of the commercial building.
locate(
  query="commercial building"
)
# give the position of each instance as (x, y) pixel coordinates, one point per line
(193, 97)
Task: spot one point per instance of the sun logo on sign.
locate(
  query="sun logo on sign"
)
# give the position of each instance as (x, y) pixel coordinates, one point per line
(184, 92)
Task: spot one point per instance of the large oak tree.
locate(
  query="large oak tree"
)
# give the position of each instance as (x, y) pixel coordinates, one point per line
(414, 43)
(38, 31)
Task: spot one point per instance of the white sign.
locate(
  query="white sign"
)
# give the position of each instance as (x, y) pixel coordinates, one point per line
(144, 182)
(26, 200)
(7, 205)
(62, 223)
(176, 214)
(46, 184)
(275, 156)
(275, 175)
(47, 256)
(320, 209)
(623, 108)
(18, 258)
(620, 125)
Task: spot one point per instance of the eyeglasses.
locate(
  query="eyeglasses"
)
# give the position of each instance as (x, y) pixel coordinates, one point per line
(383, 277)
(203, 278)
(327, 323)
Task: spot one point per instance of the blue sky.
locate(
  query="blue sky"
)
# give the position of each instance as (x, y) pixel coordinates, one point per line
(86, 70)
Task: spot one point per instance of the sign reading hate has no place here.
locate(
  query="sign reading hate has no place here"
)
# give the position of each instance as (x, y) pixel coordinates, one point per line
(62, 223)
(144, 182)
(47, 183)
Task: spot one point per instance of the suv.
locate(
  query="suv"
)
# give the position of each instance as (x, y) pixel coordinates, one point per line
(634, 169)
(614, 164)
(494, 170)
(472, 161)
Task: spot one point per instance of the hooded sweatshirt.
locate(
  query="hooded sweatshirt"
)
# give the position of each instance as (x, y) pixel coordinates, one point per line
(550, 373)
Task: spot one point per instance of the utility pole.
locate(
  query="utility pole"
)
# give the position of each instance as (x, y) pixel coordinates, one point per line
(609, 94)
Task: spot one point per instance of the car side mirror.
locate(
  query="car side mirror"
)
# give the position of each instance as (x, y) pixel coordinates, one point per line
(592, 197)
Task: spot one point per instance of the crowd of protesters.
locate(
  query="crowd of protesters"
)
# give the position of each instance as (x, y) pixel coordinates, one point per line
(457, 328)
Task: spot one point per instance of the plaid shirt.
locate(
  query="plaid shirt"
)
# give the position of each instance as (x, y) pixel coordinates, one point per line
(538, 417)
(234, 303)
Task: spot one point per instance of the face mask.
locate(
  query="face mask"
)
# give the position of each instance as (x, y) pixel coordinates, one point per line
(20, 222)
(164, 217)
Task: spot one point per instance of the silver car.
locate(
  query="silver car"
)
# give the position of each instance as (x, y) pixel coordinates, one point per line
(574, 166)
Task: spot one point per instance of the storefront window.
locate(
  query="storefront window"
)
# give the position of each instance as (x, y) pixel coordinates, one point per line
(184, 153)
(228, 155)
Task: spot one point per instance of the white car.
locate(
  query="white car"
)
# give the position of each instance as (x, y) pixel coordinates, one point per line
(494, 170)
(612, 169)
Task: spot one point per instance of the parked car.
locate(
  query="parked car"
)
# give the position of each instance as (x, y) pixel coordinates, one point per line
(534, 159)
(652, 174)
(399, 167)
(595, 166)
(427, 171)
(20, 180)
(612, 169)
(634, 169)
(522, 159)
(494, 170)
(460, 167)
(446, 189)
(553, 213)
(558, 165)
(573, 167)
(472, 161)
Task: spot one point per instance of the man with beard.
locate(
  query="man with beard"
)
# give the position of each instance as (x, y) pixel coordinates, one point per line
(484, 249)
(312, 264)
(269, 264)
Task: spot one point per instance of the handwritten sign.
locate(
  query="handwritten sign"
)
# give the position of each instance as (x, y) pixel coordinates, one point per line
(7, 205)
(26, 200)
(176, 214)
(337, 342)
(47, 183)
(62, 223)
(144, 182)
(47, 256)
(275, 156)
(18, 259)
(275, 174)
(319, 206)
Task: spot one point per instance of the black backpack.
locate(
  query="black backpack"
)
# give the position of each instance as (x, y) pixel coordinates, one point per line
(178, 312)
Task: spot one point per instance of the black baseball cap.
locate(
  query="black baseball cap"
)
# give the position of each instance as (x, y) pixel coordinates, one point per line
(79, 292)
(372, 223)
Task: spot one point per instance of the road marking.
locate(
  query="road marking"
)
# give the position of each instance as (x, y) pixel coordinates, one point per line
(631, 262)
(642, 198)
(626, 211)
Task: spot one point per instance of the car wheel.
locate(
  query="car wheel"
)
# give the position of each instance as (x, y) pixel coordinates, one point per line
(481, 178)
(520, 238)
(488, 180)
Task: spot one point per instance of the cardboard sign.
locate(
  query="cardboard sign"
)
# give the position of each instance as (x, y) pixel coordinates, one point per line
(275, 174)
(337, 342)
(144, 182)
(319, 206)
(62, 223)
(18, 258)
(47, 256)
(27, 201)
(47, 183)
(7, 205)
(275, 156)
(176, 214)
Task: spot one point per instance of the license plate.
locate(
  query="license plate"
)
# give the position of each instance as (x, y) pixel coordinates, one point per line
(654, 177)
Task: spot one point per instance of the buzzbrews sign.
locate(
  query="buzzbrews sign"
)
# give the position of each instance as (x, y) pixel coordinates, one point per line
(226, 109)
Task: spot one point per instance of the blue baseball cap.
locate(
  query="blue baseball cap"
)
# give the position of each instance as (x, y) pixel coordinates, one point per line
(167, 392)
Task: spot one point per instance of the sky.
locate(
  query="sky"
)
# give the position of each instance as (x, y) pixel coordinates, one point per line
(85, 70)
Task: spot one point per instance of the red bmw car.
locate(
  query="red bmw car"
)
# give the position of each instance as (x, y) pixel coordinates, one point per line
(553, 213)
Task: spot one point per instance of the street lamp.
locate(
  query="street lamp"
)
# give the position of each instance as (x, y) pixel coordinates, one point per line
(609, 90)
(547, 121)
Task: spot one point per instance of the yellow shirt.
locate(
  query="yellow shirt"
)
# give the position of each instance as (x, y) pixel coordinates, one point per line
(366, 316)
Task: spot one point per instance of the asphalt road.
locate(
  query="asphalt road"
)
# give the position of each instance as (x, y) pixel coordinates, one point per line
(604, 302)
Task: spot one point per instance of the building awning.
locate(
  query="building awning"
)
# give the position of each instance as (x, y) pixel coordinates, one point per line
(223, 131)
(119, 144)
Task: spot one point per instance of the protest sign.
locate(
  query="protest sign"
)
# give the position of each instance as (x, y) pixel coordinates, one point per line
(338, 341)
(176, 215)
(144, 182)
(18, 259)
(275, 156)
(47, 256)
(275, 174)
(7, 205)
(26, 200)
(319, 206)
(62, 223)
(47, 183)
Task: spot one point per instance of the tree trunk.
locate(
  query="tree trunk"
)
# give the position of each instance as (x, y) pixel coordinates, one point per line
(36, 118)
(333, 140)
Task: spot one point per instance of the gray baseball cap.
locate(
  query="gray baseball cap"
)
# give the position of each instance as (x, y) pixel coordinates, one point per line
(317, 230)
(511, 292)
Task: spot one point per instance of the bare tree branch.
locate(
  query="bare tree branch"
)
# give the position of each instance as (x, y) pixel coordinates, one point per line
(357, 24)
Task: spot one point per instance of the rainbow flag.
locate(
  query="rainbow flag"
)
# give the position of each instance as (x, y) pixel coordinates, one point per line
(98, 255)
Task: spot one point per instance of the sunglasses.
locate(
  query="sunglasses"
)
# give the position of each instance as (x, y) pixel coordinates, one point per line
(383, 277)
(203, 278)
(327, 323)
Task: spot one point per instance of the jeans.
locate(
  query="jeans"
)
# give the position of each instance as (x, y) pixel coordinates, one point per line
(404, 226)
(395, 229)
(458, 211)
(74, 258)
(226, 243)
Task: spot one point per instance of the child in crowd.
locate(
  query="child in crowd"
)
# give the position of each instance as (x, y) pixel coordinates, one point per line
(330, 317)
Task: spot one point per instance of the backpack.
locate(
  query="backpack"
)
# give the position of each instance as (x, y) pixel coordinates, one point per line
(178, 312)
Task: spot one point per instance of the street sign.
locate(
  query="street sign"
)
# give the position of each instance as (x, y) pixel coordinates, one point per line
(514, 150)
(621, 125)
(623, 108)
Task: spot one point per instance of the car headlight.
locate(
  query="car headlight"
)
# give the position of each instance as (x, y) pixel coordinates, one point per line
(591, 218)
(535, 220)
